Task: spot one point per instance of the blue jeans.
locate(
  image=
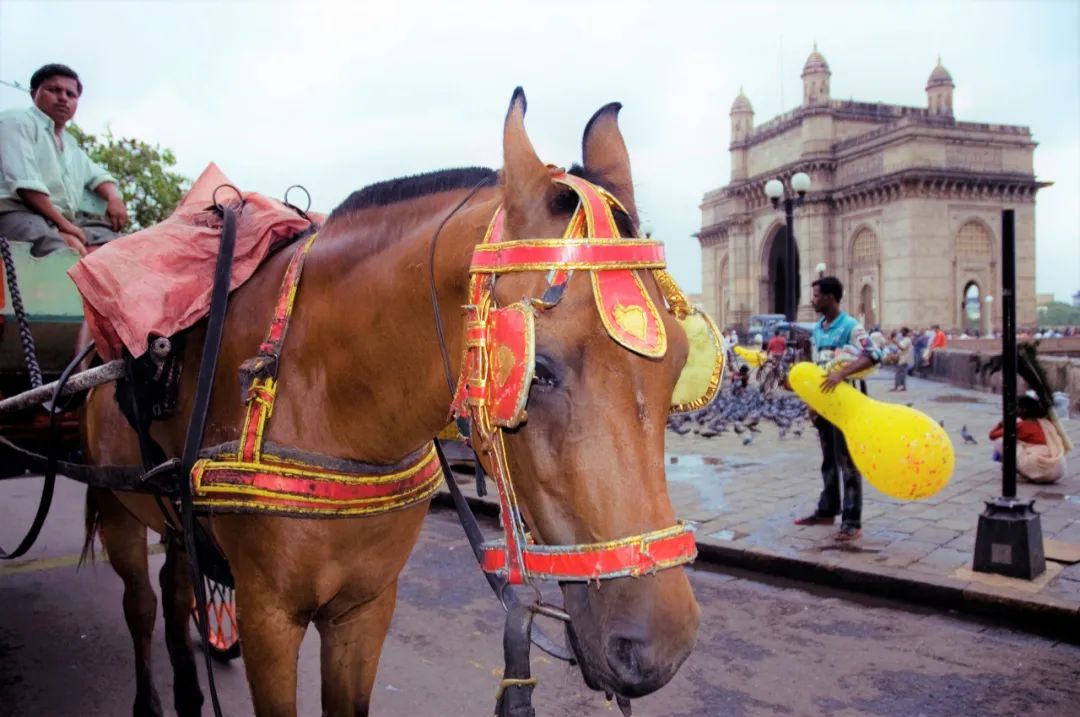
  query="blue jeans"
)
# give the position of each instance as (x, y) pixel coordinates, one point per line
(836, 463)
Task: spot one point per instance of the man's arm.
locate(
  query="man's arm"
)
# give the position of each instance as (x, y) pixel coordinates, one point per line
(98, 180)
(870, 355)
(39, 202)
(115, 210)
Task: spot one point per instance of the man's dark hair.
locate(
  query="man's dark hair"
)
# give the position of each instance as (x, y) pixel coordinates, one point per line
(831, 286)
(53, 70)
(776, 332)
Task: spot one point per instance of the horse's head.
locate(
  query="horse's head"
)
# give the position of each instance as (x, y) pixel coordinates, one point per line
(587, 464)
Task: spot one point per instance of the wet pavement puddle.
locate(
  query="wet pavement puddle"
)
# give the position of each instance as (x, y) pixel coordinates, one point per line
(708, 475)
(727, 535)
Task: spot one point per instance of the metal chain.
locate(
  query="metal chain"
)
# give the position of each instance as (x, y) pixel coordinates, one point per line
(25, 336)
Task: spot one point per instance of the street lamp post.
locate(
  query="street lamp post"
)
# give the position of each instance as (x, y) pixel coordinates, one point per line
(775, 191)
(1009, 539)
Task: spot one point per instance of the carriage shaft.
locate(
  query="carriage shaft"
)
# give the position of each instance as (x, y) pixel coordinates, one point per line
(79, 382)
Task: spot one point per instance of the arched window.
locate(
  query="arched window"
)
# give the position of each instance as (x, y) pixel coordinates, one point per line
(972, 303)
(974, 241)
(865, 250)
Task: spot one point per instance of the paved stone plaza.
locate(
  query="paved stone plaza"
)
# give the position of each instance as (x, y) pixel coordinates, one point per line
(743, 499)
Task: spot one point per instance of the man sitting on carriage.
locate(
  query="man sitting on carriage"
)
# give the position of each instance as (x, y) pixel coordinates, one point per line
(51, 192)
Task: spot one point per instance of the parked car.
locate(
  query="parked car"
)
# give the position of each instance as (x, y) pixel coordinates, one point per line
(762, 324)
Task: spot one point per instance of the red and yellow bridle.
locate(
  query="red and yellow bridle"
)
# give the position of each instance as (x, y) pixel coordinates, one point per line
(499, 365)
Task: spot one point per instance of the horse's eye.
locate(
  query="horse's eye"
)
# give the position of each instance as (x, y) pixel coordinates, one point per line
(544, 375)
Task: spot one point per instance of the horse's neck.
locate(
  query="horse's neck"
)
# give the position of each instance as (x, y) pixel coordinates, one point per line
(370, 352)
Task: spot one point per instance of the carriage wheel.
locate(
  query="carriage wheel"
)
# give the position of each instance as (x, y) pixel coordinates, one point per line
(222, 631)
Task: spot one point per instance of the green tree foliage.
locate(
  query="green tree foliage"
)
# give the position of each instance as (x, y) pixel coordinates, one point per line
(149, 189)
(1058, 313)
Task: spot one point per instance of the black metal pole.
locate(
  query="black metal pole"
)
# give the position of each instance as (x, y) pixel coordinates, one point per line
(1008, 352)
(789, 292)
(1009, 539)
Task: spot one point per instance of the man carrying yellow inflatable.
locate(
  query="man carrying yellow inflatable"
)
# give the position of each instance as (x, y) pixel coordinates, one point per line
(844, 349)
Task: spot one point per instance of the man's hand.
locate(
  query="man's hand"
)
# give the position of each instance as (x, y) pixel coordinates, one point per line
(77, 243)
(72, 229)
(832, 380)
(117, 212)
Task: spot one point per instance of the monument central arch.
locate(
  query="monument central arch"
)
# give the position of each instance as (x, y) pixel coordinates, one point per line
(774, 273)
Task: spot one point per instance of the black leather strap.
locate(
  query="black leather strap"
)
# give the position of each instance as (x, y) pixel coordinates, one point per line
(515, 692)
(50, 466)
(215, 328)
(125, 478)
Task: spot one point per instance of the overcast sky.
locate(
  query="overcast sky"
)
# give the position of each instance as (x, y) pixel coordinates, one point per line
(337, 95)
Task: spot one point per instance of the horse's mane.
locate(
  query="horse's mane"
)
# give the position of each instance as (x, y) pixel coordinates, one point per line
(403, 189)
(419, 185)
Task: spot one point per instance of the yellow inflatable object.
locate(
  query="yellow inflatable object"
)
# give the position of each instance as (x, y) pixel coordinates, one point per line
(750, 356)
(902, 452)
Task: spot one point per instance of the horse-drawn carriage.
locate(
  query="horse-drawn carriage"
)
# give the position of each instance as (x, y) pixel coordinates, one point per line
(314, 485)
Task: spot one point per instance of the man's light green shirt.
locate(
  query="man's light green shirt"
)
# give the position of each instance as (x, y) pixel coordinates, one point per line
(30, 159)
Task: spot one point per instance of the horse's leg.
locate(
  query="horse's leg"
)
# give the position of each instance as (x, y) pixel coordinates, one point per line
(124, 538)
(352, 641)
(271, 636)
(178, 596)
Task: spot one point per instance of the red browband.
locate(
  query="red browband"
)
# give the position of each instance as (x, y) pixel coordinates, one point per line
(545, 254)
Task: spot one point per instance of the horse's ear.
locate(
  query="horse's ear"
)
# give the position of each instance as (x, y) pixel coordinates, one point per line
(526, 180)
(604, 155)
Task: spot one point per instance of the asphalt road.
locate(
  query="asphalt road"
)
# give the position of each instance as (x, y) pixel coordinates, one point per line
(765, 648)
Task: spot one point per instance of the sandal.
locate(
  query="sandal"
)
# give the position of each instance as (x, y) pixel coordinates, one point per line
(847, 533)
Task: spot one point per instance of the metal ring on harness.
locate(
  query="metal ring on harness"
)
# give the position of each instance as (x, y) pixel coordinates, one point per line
(302, 212)
(508, 585)
(538, 606)
(217, 205)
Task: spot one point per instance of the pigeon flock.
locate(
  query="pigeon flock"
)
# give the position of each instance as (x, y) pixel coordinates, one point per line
(743, 410)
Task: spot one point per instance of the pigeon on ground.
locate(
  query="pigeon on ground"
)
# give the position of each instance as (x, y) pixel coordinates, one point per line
(738, 428)
(942, 423)
(748, 440)
(968, 438)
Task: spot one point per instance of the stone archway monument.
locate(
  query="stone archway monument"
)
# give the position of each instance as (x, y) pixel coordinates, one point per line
(902, 198)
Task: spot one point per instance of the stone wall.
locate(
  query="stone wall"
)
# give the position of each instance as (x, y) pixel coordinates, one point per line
(958, 367)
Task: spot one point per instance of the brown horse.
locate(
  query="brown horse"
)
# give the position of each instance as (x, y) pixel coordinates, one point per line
(362, 378)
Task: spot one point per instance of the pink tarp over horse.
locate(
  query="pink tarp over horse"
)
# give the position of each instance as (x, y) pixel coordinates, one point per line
(158, 281)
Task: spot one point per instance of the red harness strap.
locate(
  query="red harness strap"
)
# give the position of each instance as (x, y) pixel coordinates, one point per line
(252, 480)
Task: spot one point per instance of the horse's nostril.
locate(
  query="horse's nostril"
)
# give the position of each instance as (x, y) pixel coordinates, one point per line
(625, 658)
